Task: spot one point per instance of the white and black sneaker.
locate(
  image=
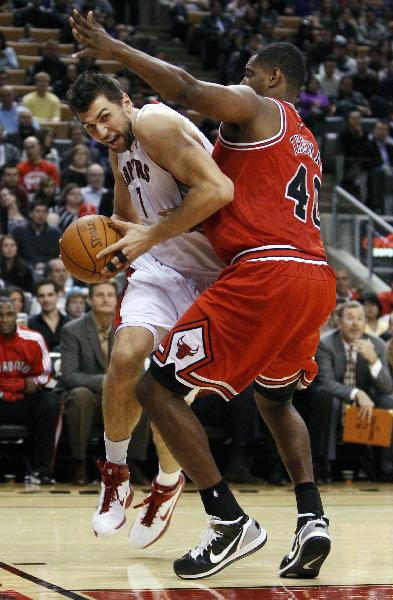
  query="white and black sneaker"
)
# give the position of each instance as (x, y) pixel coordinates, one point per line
(310, 547)
(222, 543)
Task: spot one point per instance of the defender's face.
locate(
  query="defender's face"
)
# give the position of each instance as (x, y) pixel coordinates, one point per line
(256, 78)
(109, 123)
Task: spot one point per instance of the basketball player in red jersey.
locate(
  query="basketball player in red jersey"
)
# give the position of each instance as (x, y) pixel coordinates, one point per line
(261, 319)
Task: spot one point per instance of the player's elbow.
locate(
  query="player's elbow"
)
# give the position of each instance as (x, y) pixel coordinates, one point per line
(224, 192)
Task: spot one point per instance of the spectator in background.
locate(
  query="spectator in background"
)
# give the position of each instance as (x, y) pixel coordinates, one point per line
(381, 175)
(46, 192)
(57, 272)
(179, 20)
(364, 79)
(23, 397)
(313, 106)
(371, 31)
(8, 152)
(37, 241)
(93, 192)
(50, 321)
(375, 325)
(213, 29)
(386, 300)
(76, 171)
(353, 144)
(352, 370)
(75, 305)
(46, 137)
(77, 135)
(63, 84)
(8, 58)
(344, 290)
(9, 110)
(86, 344)
(346, 64)
(10, 180)
(347, 100)
(27, 127)
(70, 203)
(50, 63)
(18, 297)
(33, 13)
(44, 105)
(329, 77)
(13, 269)
(11, 214)
(34, 168)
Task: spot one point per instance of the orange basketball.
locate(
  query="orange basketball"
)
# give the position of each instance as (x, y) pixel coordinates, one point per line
(82, 241)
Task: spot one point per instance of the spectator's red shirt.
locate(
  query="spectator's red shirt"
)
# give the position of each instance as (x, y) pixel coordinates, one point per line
(386, 300)
(30, 174)
(22, 355)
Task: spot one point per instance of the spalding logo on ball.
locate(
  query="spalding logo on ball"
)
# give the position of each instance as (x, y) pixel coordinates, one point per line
(82, 241)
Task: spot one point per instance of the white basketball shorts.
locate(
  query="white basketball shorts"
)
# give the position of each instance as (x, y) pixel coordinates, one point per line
(157, 295)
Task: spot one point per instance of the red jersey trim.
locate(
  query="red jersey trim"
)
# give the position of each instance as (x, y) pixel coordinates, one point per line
(261, 143)
(277, 252)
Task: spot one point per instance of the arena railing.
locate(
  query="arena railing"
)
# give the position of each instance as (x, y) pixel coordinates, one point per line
(367, 235)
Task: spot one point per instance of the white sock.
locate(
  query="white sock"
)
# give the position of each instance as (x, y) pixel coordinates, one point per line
(116, 452)
(167, 479)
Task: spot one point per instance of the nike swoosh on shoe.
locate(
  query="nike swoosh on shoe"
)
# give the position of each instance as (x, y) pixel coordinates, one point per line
(216, 558)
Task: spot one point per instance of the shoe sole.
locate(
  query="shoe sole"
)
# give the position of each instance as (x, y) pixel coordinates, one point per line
(168, 521)
(116, 529)
(314, 551)
(258, 543)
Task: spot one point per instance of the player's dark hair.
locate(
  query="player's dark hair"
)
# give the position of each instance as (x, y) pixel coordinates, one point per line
(286, 57)
(88, 86)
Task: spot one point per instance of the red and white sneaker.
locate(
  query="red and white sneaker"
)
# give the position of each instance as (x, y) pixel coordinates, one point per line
(155, 516)
(116, 496)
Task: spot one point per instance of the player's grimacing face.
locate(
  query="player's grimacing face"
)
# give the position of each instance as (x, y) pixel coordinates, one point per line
(109, 123)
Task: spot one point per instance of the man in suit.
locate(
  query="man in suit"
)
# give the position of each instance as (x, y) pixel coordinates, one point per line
(85, 346)
(381, 176)
(352, 370)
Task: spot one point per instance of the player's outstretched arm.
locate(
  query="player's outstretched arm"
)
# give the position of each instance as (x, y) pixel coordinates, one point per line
(230, 104)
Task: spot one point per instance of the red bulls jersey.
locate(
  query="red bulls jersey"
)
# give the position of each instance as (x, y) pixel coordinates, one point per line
(277, 184)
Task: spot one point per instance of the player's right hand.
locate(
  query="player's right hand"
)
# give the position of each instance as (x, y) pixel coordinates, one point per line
(90, 34)
(365, 405)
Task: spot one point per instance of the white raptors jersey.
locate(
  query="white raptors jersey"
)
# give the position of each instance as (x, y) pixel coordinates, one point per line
(153, 190)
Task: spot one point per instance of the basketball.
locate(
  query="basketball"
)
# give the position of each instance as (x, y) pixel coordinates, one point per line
(82, 241)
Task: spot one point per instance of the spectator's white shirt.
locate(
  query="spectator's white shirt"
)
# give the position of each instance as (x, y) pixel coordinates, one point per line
(93, 196)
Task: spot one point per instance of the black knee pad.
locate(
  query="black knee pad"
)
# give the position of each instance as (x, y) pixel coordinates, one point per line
(276, 394)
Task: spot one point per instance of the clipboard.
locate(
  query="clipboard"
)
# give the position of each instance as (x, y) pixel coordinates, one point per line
(376, 433)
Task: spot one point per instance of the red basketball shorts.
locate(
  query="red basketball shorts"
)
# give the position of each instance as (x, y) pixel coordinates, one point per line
(259, 321)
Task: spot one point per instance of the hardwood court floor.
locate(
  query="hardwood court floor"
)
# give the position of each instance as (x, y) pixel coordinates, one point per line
(48, 551)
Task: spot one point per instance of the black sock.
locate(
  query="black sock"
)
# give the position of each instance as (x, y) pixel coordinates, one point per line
(219, 501)
(308, 499)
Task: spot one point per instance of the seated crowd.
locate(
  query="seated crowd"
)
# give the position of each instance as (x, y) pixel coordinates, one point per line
(60, 332)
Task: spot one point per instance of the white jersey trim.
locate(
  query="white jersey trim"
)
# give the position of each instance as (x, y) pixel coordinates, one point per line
(242, 146)
(288, 258)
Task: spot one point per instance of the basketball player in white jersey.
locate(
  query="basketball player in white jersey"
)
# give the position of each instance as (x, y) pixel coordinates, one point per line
(160, 159)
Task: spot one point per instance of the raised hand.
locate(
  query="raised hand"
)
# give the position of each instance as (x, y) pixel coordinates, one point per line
(90, 34)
